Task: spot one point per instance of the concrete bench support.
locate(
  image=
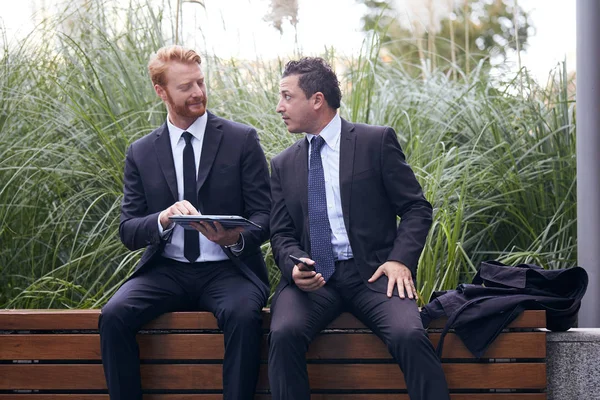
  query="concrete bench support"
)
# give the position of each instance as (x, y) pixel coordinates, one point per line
(573, 362)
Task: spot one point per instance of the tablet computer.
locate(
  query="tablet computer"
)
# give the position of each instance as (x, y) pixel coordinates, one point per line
(227, 221)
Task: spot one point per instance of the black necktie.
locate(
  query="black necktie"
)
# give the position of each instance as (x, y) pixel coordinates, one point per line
(320, 230)
(191, 241)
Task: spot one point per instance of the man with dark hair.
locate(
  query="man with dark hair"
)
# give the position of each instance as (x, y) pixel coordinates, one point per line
(195, 162)
(336, 196)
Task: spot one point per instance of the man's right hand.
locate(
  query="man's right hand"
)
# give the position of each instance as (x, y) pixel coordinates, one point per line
(308, 281)
(183, 207)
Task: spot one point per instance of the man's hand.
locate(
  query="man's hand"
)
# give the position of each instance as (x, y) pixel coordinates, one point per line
(218, 234)
(183, 207)
(398, 274)
(308, 281)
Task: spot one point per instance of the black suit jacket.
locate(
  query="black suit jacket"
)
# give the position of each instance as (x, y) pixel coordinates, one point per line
(376, 185)
(478, 312)
(233, 178)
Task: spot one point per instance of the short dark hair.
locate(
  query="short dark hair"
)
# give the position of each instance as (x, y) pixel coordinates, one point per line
(316, 75)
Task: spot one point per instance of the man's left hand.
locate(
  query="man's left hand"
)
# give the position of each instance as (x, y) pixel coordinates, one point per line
(398, 274)
(218, 234)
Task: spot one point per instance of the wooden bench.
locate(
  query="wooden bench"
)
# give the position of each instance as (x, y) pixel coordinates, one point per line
(55, 355)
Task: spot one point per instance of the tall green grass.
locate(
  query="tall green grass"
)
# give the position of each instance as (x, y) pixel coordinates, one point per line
(497, 165)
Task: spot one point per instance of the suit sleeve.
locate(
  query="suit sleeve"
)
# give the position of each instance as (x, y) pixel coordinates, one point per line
(410, 204)
(283, 231)
(255, 191)
(137, 229)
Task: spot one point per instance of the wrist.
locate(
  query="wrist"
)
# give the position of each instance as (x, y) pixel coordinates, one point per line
(164, 220)
(237, 242)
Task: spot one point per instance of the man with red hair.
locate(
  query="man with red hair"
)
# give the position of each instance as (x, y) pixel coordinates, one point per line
(194, 163)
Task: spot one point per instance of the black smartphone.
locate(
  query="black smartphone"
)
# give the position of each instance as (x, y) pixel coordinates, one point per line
(299, 261)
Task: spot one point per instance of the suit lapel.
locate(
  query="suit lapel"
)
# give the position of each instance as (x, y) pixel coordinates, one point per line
(300, 165)
(347, 149)
(210, 145)
(164, 153)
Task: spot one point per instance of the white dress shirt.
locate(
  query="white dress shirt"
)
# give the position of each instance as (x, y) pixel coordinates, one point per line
(330, 155)
(209, 251)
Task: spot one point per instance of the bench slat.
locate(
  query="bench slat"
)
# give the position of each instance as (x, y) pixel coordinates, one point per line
(210, 346)
(322, 376)
(368, 346)
(379, 396)
(88, 320)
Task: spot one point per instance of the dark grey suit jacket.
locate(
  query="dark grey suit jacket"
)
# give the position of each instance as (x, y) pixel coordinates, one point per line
(233, 179)
(376, 185)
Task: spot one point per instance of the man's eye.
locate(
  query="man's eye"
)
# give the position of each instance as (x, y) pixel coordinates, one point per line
(287, 97)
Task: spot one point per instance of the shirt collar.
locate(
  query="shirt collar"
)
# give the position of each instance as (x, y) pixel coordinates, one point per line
(331, 133)
(197, 129)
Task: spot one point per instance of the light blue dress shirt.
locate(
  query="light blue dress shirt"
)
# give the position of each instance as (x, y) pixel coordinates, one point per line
(330, 154)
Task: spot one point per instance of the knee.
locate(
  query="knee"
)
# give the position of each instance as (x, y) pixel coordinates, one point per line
(113, 318)
(408, 339)
(243, 314)
(287, 333)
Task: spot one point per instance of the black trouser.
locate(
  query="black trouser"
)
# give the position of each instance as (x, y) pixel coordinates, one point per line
(297, 317)
(217, 287)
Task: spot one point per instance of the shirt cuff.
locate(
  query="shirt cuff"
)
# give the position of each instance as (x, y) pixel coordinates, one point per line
(164, 232)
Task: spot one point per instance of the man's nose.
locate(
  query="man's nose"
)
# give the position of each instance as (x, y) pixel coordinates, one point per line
(279, 108)
(198, 92)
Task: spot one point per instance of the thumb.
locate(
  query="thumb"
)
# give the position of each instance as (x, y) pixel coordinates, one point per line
(376, 275)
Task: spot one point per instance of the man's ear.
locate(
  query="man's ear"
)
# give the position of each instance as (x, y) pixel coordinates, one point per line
(318, 101)
(160, 91)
